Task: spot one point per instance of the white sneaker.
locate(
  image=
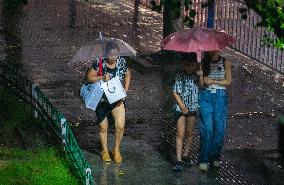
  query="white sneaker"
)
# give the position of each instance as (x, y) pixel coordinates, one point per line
(203, 167)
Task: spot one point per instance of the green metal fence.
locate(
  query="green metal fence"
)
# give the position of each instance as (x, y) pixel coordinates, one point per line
(41, 107)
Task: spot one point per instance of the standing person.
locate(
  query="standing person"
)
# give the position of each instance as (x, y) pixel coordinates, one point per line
(213, 108)
(112, 66)
(185, 92)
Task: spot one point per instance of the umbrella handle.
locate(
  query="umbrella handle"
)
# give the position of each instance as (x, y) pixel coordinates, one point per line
(199, 66)
(102, 43)
(198, 53)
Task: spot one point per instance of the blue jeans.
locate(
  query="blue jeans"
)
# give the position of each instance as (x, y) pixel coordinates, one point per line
(213, 123)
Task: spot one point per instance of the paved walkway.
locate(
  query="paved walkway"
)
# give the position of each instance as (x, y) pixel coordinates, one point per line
(49, 38)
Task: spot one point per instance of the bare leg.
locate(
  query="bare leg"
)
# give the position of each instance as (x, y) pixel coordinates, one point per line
(103, 138)
(191, 123)
(119, 116)
(103, 134)
(180, 136)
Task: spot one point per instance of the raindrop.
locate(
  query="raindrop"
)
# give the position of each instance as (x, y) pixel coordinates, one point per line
(273, 113)
(258, 139)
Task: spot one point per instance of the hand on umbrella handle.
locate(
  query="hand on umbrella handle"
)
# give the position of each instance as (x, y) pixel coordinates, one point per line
(199, 72)
(106, 77)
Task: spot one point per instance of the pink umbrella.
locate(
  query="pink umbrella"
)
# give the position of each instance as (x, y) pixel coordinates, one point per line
(197, 40)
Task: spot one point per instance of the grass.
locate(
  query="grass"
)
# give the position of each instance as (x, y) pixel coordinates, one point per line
(38, 165)
(44, 166)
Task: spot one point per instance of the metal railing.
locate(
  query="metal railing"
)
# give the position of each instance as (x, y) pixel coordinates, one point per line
(41, 107)
(249, 36)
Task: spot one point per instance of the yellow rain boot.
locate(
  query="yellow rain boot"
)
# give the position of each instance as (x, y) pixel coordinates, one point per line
(105, 157)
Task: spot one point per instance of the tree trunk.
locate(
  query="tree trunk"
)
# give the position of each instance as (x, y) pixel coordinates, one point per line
(172, 16)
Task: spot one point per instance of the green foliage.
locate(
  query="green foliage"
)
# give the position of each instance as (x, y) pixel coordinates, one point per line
(207, 4)
(45, 166)
(189, 22)
(189, 19)
(175, 8)
(172, 16)
(11, 4)
(12, 111)
(186, 4)
(156, 7)
(272, 14)
(192, 13)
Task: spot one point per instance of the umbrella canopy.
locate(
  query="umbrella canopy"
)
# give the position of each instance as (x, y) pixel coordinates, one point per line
(99, 49)
(197, 40)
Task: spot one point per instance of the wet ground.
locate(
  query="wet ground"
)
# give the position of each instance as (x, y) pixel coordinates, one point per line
(47, 35)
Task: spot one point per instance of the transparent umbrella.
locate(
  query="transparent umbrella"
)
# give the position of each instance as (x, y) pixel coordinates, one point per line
(98, 49)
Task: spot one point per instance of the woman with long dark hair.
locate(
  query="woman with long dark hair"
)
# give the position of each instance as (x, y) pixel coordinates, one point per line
(213, 108)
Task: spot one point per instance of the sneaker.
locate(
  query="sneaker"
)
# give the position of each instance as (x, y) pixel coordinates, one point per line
(203, 167)
(178, 166)
(216, 164)
(187, 161)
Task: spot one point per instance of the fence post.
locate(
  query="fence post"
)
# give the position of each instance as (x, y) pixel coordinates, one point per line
(211, 14)
(33, 102)
(88, 172)
(63, 129)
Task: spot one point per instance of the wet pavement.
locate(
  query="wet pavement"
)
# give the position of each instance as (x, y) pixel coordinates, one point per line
(48, 33)
(142, 165)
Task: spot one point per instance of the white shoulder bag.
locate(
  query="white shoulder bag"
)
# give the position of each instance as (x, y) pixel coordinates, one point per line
(113, 90)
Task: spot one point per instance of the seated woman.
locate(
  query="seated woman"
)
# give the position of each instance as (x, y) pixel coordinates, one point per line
(112, 66)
